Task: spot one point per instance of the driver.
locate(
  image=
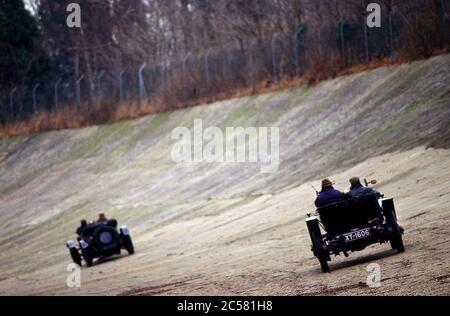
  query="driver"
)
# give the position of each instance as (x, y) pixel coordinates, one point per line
(328, 195)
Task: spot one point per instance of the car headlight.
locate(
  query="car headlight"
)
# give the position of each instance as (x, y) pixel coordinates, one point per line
(84, 244)
(124, 230)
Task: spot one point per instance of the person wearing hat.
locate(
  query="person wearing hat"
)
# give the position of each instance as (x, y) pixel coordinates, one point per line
(328, 195)
(357, 189)
(102, 218)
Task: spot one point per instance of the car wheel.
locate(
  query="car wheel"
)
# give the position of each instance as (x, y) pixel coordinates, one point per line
(105, 236)
(396, 239)
(324, 264)
(87, 257)
(76, 258)
(318, 245)
(127, 244)
(321, 255)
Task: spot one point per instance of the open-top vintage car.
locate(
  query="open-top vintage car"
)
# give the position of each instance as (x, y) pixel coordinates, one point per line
(100, 240)
(352, 225)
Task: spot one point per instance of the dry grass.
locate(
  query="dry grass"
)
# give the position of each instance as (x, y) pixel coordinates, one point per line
(70, 117)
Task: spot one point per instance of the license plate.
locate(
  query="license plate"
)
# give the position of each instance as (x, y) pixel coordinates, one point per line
(360, 234)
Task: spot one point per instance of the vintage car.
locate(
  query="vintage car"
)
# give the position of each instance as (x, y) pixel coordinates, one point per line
(100, 240)
(352, 225)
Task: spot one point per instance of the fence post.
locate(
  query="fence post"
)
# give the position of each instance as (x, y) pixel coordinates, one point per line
(11, 101)
(162, 68)
(341, 29)
(207, 68)
(121, 85)
(296, 51)
(391, 35)
(79, 91)
(274, 57)
(251, 66)
(185, 59)
(366, 40)
(229, 58)
(99, 84)
(142, 92)
(319, 35)
(319, 41)
(66, 92)
(34, 97)
(56, 93)
(165, 70)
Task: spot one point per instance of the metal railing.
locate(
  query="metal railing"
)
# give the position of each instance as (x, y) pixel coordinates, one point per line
(218, 69)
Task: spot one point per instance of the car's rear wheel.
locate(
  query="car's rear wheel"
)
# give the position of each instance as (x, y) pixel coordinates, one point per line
(318, 245)
(324, 265)
(128, 244)
(76, 258)
(321, 255)
(396, 239)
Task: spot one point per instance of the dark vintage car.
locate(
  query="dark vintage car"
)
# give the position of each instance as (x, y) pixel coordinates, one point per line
(100, 240)
(352, 225)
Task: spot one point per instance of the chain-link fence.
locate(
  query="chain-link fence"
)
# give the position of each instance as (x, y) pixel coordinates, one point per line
(308, 50)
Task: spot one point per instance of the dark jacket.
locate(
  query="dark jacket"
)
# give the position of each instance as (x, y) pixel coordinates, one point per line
(359, 190)
(80, 230)
(328, 196)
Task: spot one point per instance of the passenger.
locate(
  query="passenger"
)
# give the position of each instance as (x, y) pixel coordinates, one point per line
(82, 227)
(328, 195)
(357, 189)
(102, 218)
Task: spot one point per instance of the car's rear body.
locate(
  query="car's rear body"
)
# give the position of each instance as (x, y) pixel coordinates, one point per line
(100, 240)
(353, 225)
(358, 239)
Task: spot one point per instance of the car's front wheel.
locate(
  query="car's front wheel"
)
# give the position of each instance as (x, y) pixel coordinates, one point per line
(87, 257)
(76, 258)
(128, 244)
